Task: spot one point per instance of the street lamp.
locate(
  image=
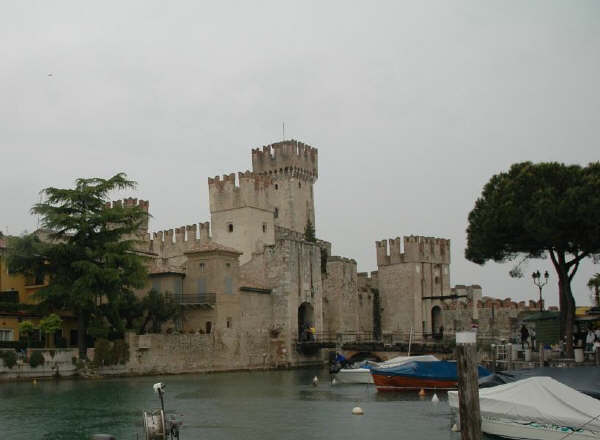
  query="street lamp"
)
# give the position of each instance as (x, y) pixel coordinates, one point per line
(537, 280)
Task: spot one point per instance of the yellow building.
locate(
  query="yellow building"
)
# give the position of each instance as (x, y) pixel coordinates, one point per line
(17, 295)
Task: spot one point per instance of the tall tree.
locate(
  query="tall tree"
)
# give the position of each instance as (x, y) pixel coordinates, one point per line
(594, 285)
(538, 211)
(85, 252)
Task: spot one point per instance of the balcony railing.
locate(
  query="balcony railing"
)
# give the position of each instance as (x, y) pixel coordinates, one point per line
(10, 296)
(196, 299)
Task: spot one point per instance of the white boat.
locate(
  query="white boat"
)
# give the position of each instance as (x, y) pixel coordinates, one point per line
(362, 373)
(538, 408)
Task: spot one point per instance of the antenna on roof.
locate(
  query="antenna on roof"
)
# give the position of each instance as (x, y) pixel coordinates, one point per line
(283, 139)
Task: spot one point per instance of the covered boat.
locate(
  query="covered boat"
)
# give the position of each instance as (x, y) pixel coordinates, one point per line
(417, 375)
(537, 408)
(361, 373)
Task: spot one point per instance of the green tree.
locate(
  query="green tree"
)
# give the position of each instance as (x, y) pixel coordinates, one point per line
(26, 329)
(85, 251)
(309, 232)
(50, 325)
(594, 285)
(158, 309)
(538, 211)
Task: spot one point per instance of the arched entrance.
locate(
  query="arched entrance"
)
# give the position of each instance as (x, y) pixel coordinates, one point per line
(306, 320)
(437, 329)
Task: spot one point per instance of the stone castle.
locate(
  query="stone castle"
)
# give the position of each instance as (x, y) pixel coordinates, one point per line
(250, 284)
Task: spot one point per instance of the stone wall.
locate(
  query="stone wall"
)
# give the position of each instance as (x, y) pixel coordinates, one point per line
(341, 296)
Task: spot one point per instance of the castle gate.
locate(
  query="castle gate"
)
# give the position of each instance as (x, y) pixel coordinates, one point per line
(306, 319)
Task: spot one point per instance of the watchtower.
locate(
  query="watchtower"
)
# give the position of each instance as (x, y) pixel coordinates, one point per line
(414, 283)
(293, 168)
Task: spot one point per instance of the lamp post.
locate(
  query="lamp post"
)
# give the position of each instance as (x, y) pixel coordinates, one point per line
(537, 280)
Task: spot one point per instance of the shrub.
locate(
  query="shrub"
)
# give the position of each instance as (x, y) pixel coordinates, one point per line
(120, 352)
(36, 358)
(103, 354)
(9, 357)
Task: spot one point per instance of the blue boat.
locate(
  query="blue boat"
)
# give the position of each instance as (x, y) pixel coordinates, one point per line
(417, 375)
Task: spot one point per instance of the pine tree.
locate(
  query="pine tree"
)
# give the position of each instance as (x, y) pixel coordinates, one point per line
(85, 253)
(309, 232)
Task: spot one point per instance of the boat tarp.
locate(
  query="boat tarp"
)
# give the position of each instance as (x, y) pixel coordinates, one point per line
(540, 400)
(584, 379)
(442, 370)
(403, 359)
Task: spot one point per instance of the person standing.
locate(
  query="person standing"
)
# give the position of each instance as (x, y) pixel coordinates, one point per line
(524, 336)
(589, 340)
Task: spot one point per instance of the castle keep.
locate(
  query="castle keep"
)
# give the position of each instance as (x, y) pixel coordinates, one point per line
(250, 284)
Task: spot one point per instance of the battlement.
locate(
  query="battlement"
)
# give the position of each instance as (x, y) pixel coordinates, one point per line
(131, 202)
(288, 158)
(179, 240)
(250, 190)
(413, 249)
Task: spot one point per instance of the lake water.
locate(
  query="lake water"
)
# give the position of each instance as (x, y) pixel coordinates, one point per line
(242, 405)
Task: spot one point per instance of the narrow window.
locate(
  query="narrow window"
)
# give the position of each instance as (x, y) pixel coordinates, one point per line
(276, 187)
(201, 265)
(229, 322)
(276, 213)
(230, 227)
(299, 185)
(264, 226)
(208, 327)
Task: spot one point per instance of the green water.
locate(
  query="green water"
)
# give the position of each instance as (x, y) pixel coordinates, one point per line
(247, 406)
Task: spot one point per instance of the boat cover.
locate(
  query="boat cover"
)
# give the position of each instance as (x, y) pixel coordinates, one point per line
(404, 359)
(584, 379)
(538, 399)
(442, 370)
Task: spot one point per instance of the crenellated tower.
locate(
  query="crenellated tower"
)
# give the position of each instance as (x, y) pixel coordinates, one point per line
(278, 192)
(294, 168)
(414, 283)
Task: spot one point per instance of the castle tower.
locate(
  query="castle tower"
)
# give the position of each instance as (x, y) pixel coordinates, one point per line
(413, 283)
(278, 192)
(241, 212)
(293, 168)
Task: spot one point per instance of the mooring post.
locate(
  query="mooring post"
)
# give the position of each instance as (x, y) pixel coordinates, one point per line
(468, 386)
(541, 355)
(493, 346)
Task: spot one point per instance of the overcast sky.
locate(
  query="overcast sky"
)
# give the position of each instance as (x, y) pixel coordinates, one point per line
(412, 105)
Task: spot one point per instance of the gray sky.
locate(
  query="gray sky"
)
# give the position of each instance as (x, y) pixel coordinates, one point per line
(413, 106)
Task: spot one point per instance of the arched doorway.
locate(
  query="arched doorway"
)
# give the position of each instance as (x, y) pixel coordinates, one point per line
(437, 329)
(306, 320)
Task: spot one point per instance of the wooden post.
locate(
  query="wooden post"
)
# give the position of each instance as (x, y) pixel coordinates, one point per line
(468, 386)
(541, 349)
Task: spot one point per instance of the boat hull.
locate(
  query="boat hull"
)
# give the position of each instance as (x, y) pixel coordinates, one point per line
(353, 375)
(533, 431)
(398, 383)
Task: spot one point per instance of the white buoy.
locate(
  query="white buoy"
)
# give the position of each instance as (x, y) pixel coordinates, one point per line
(357, 411)
(315, 381)
(435, 398)
(454, 428)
